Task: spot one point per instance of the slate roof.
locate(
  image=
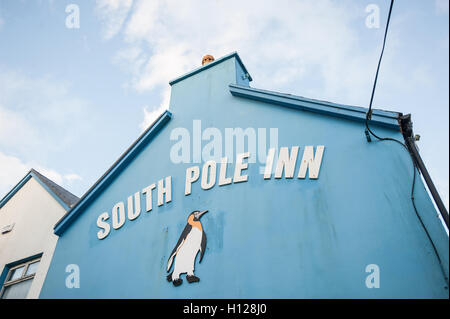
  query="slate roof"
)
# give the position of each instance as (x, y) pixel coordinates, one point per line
(66, 196)
(63, 196)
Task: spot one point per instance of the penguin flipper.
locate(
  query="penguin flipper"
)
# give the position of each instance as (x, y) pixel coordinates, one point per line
(202, 247)
(183, 236)
(169, 262)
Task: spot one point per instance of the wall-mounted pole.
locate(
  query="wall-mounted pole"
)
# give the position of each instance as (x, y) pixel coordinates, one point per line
(420, 164)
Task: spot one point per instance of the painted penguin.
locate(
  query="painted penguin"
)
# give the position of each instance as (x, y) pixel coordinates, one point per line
(192, 240)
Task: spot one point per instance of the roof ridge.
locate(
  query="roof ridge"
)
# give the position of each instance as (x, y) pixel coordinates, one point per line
(358, 113)
(382, 112)
(66, 196)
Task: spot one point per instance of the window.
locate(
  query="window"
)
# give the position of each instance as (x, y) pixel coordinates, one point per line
(19, 279)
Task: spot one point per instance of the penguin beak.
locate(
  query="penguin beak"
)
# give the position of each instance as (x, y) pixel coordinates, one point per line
(201, 213)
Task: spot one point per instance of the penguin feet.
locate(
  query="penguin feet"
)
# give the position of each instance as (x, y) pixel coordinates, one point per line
(192, 279)
(177, 282)
(169, 277)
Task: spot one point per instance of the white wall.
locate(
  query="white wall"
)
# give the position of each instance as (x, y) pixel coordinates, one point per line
(34, 212)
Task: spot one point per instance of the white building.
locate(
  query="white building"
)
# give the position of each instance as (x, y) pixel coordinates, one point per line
(28, 214)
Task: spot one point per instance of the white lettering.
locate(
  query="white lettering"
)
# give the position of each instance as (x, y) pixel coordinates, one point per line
(240, 166)
(286, 162)
(148, 196)
(134, 213)
(105, 228)
(165, 190)
(118, 215)
(192, 174)
(312, 162)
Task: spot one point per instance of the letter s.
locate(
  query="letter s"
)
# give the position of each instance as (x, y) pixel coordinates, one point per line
(105, 228)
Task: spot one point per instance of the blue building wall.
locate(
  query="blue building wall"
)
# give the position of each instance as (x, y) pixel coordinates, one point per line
(277, 238)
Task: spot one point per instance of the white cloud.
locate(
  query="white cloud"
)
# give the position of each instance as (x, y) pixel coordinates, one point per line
(37, 113)
(15, 129)
(72, 177)
(37, 116)
(151, 116)
(284, 44)
(165, 39)
(13, 169)
(113, 13)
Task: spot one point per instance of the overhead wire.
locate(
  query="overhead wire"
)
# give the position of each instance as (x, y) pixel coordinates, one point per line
(369, 132)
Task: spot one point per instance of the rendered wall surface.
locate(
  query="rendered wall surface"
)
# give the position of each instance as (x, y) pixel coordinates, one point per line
(34, 212)
(277, 238)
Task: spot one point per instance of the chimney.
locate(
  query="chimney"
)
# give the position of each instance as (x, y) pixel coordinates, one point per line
(207, 59)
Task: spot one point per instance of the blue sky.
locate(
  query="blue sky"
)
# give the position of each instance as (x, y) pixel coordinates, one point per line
(73, 100)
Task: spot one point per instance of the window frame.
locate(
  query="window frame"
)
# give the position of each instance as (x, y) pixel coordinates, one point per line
(23, 277)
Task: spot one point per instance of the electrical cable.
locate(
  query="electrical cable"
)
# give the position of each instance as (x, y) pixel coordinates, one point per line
(369, 113)
(368, 130)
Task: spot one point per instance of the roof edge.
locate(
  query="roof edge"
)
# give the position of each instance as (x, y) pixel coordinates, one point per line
(15, 189)
(384, 118)
(209, 65)
(32, 173)
(112, 172)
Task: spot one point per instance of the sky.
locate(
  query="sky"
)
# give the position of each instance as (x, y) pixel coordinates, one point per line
(76, 93)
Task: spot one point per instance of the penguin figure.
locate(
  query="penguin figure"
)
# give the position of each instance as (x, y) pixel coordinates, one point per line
(192, 240)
